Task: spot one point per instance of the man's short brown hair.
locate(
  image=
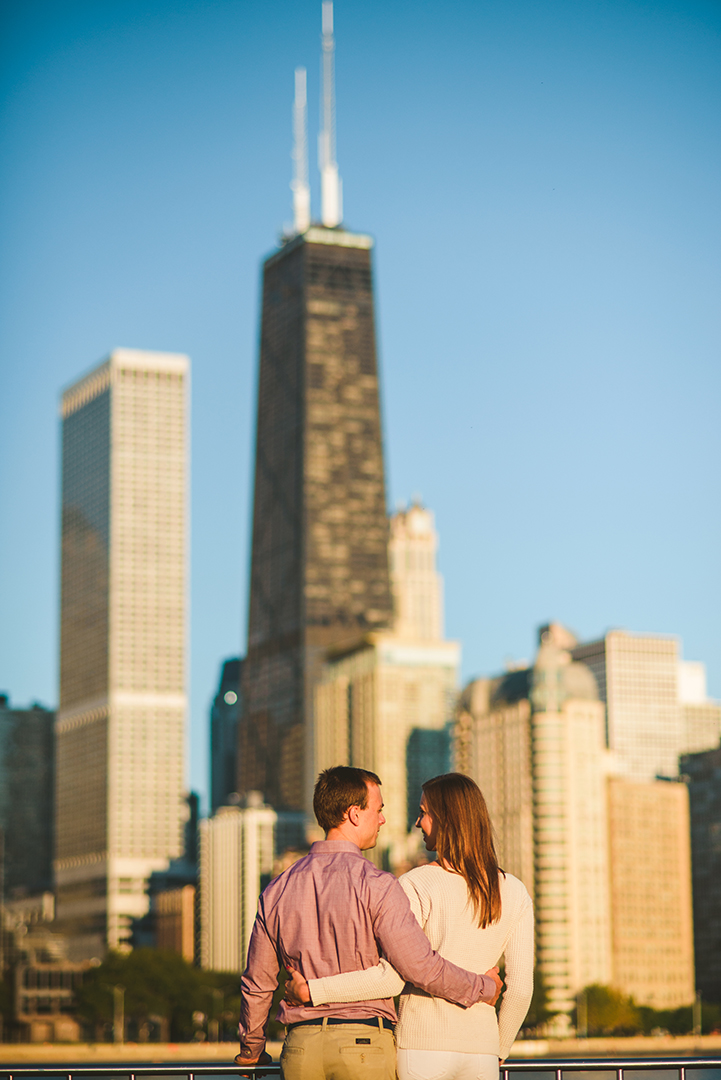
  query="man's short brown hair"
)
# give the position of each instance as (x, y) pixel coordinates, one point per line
(338, 789)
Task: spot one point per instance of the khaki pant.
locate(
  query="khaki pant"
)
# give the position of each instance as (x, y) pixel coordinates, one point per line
(338, 1052)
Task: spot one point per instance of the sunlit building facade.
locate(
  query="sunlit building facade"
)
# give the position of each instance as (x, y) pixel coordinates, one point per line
(700, 716)
(605, 855)
(415, 582)
(236, 861)
(534, 741)
(650, 879)
(174, 916)
(656, 704)
(384, 701)
(371, 702)
(120, 809)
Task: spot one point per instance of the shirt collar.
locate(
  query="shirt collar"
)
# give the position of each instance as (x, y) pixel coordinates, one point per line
(327, 847)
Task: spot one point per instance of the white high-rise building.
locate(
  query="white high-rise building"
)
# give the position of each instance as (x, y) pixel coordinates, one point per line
(236, 855)
(120, 808)
(417, 586)
(604, 852)
(534, 741)
(700, 716)
(650, 877)
(656, 706)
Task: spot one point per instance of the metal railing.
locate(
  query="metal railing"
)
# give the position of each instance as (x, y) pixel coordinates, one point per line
(641, 1068)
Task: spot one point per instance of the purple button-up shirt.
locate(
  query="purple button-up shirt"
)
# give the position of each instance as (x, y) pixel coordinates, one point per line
(334, 911)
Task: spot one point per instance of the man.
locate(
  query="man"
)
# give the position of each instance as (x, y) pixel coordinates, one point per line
(334, 911)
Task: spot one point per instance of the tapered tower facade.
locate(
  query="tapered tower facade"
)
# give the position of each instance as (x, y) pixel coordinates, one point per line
(319, 567)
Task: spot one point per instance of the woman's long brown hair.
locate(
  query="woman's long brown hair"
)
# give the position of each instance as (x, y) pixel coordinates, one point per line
(464, 840)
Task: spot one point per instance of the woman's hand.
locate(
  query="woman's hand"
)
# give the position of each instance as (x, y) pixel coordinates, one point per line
(296, 989)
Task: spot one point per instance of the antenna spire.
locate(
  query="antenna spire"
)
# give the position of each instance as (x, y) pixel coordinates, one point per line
(299, 185)
(331, 211)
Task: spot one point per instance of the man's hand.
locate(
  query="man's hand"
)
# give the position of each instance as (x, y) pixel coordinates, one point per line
(296, 989)
(246, 1058)
(493, 974)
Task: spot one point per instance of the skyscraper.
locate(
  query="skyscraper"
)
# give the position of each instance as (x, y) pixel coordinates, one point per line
(606, 857)
(417, 586)
(656, 705)
(120, 726)
(224, 718)
(703, 776)
(385, 701)
(700, 716)
(534, 740)
(319, 566)
(319, 570)
(236, 861)
(651, 909)
(27, 768)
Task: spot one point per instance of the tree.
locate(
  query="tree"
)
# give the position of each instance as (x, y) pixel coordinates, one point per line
(609, 1012)
(159, 987)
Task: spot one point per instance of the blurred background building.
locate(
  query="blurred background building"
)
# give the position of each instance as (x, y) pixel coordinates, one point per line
(534, 740)
(567, 753)
(656, 704)
(27, 782)
(236, 860)
(650, 879)
(385, 702)
(319, 566)
(703, 775)
(175, 923)
(120, 727)
(40, 981)
(224, 733)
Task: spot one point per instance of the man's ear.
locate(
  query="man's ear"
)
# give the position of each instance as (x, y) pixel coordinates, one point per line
(354, 814)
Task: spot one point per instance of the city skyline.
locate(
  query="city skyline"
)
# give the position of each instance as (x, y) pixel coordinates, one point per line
(545, 289)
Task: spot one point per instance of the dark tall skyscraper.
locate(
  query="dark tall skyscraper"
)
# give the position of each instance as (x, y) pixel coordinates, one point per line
(27, 769)
(224, 716)
(319, 572)
(703, 776)
(319, 569)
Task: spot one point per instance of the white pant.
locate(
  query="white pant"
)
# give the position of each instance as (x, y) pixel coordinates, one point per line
(445, 1065)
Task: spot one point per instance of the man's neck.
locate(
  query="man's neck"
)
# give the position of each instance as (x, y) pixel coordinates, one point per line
(339, 833)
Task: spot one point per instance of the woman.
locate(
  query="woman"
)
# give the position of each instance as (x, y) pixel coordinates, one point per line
(472, 913)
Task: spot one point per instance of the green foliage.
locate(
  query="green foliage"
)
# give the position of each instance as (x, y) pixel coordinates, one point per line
(160, 987)
(680, 1021)
(612, 1013)
(609, 1012)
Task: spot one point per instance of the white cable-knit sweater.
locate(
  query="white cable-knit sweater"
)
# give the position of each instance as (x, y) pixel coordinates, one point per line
(440, 902)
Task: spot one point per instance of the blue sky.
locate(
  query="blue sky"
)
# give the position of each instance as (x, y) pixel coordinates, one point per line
(542, 182)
